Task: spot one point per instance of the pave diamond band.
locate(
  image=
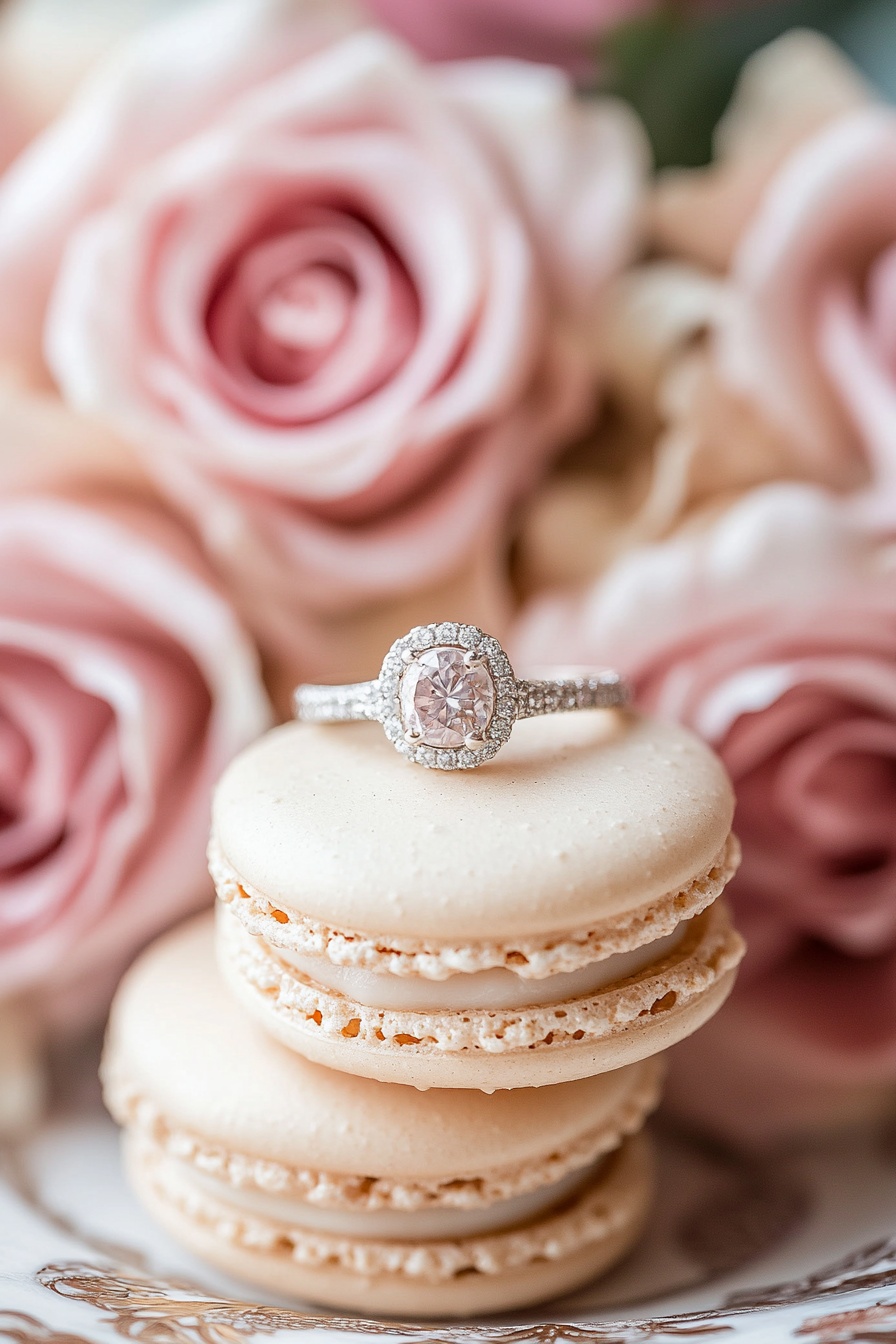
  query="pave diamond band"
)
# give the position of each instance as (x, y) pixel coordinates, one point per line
(606, 690)
(338, 704)
(447, 696)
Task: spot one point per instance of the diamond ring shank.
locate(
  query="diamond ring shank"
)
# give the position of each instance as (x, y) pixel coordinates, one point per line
(606, 690)
(338, 704)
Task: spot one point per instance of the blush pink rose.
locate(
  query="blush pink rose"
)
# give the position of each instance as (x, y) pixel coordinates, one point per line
(814, 339)
(772, 633)
(159, 88)
(126, 684)
(340, 302)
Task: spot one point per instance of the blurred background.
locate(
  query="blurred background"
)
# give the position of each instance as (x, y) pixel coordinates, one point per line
(676, 63)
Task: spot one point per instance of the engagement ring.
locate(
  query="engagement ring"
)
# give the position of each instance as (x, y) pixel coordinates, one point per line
(448, 698)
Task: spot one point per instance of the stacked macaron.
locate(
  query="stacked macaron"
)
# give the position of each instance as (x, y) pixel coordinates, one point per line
(415, 1080)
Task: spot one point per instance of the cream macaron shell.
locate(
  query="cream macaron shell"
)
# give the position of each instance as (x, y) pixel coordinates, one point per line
(353, 1192)
(545, 917)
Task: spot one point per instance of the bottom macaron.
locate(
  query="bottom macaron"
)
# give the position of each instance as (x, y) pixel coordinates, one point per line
(354, 1193)
(503, 1270)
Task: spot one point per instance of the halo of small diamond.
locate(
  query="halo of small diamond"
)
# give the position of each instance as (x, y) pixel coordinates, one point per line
(468, 637)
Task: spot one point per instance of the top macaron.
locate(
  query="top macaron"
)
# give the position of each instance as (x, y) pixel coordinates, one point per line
(545, 918)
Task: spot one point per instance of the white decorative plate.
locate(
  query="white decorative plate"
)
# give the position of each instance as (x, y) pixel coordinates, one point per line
(800, 1246)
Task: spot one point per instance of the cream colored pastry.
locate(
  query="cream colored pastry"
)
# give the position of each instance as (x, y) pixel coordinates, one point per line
(355, 1193)
(548, 917)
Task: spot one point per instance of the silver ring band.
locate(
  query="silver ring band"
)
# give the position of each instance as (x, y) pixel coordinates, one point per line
(448, 698)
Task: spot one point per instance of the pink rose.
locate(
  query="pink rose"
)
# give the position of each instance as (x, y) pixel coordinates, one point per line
(339, 301)
(126, 684)
(686, 433)
(565, 32)
(772, 633)
(813, 340)
(114, 126)
(797, 214)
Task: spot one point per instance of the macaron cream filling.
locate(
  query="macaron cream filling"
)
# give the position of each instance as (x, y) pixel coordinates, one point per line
(493, 989)
(433, 1224)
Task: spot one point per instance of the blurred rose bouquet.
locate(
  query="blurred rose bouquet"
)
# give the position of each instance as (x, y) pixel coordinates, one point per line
(746, 578)
(305, 334)
(342, 304)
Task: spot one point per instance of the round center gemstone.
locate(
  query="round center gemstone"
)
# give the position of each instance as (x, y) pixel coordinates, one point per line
(443, 701)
